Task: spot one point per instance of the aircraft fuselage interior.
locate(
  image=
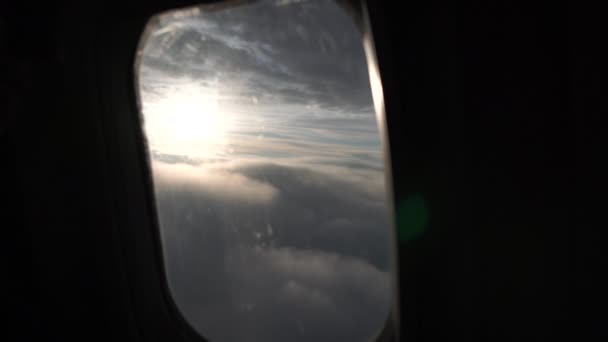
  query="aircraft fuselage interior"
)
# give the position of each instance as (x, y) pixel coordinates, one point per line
(298, 170)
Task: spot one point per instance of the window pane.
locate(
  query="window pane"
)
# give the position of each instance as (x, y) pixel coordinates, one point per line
(268, 171)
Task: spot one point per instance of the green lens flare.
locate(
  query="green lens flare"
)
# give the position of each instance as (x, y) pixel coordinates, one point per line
(412, 217)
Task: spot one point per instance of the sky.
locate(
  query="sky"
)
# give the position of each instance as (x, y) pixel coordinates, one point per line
(268, 171)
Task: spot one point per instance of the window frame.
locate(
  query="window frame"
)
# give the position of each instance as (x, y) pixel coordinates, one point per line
(120, 30)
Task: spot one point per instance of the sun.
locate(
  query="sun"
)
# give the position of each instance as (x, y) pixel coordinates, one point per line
(186, 121)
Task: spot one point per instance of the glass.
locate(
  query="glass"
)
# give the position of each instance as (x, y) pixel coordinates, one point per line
(268, 171)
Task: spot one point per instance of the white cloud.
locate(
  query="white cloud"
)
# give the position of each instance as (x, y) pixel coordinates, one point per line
(225, 185)
(319, 273)
(282, 233)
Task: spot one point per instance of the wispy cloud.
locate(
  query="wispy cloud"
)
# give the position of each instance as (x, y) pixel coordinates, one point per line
(274, 221)
(286, 54)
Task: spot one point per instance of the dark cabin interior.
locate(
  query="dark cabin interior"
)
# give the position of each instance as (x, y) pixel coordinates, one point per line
(488, 106)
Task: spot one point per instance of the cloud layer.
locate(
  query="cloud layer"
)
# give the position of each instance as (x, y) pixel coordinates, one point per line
(288, 54)
(273, 216)
(307, 259)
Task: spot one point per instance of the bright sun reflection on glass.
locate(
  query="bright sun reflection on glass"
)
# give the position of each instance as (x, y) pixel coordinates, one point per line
(188, 120)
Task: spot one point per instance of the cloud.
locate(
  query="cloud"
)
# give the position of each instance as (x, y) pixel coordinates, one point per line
(292, 76)
(317, 57)
(225, 185)
(282, 232)
(308, 260)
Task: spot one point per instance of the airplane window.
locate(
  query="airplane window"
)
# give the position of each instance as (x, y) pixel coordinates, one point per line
(268, 170)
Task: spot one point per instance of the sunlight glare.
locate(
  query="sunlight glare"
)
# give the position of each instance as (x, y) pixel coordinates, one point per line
(186, 122)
